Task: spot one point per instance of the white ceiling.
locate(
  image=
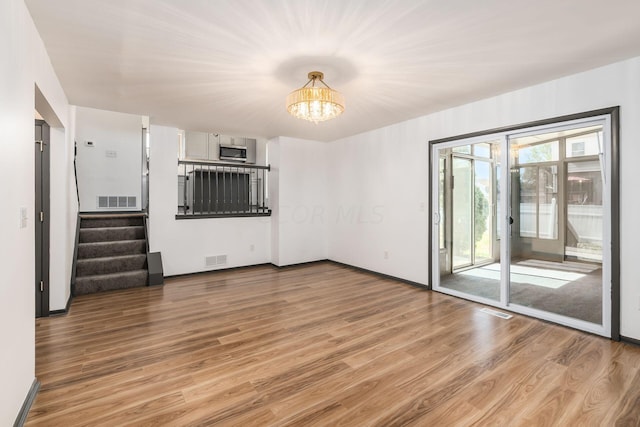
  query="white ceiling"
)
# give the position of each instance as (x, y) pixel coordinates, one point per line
(227, 65)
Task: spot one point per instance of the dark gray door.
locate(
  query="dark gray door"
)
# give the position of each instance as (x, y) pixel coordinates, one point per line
(42, 217)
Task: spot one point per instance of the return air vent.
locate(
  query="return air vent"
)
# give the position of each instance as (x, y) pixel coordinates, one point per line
(215, 260)
(496, 313)
(117, 202)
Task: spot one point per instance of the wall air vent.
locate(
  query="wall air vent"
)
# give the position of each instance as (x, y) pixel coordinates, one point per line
(215, 260)
(117, 202)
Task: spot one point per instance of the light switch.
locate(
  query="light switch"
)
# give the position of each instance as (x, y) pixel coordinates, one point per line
(23, 217)
(111, 153)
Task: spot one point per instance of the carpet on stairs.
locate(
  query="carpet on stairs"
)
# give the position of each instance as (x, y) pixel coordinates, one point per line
(111, 253)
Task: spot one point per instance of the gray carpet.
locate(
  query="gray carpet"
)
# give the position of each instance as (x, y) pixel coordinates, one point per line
(111, 253)
(575, 288)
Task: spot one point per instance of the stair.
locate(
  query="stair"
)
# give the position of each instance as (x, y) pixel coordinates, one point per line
(112, 253)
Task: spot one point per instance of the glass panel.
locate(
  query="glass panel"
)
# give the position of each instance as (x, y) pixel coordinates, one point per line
(584, 145)
(483, 220)
(546, 152)
(463, 149)
(556, 239)
(469, 264)
(548, 202)
(584, 211)
(497, 176)
(441, 202)
(528, 201)
(462, 212)
(482, 150)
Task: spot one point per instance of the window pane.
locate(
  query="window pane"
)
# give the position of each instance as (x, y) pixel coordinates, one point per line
(584, 211)
(441, 201)
(483, 218)
(547, 152)
(548, 202)
(462, 212)
(498, 207)
(482, 149)
(463, 149)
(584, 145)
(528, 199)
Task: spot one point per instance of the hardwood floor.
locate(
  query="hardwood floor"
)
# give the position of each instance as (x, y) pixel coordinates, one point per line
(319, 344)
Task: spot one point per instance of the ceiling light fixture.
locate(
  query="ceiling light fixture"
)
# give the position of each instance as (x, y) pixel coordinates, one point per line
(315, 103)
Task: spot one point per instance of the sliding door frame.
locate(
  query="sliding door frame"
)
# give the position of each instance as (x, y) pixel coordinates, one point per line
(611, 116)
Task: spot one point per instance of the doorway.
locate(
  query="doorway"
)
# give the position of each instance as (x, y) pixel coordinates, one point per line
(544, 249)
(42, 165)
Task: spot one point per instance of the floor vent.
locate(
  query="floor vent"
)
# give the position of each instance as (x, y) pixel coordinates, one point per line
(496, 313)
(214, 260)
(117, 202)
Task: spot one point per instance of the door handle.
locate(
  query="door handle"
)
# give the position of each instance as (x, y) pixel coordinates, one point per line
(510, 220)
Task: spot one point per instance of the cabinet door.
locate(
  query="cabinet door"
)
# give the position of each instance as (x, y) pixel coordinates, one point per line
(196, 145)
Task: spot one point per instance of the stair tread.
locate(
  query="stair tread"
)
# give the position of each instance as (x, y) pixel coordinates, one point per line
(111, 275)
(111, 215)
(119, 227)
(111, 258)
(111, 242)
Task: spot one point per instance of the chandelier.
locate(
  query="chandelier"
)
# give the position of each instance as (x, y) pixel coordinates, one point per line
(315, 103)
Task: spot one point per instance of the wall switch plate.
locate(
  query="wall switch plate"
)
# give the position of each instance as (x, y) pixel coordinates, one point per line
(23, 217)
(111, 153)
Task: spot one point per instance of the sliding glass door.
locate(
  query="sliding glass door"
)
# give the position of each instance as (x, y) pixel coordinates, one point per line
(550, 227)
(468, 240)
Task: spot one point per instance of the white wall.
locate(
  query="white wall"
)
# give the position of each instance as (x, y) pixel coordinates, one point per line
(98, 174)
(185, 243)
(24, 63)
(385, 171)
(379, 201)
(297, 187)
(64, 208)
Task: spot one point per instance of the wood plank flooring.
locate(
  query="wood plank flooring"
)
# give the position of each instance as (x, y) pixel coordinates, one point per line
(320, 344)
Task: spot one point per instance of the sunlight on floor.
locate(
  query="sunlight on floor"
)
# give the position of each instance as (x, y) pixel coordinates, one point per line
(547, 278)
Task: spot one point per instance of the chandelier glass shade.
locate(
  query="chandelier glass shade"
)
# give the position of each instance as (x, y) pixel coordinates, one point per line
(315, 103)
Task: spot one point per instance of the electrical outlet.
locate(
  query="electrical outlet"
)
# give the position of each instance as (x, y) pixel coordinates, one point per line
(252, 247)
(386, 255)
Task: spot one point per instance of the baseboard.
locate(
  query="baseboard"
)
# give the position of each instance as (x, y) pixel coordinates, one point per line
(384, 276)
(240, 267)
(65, 310)
(26, 405)
(630, 340)
(299, 264)
(303, 264)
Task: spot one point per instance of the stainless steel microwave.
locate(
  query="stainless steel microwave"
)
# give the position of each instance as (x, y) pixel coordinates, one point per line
(235, 153)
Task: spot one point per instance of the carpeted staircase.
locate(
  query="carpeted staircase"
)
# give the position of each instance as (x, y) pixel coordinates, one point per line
(112, 253)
